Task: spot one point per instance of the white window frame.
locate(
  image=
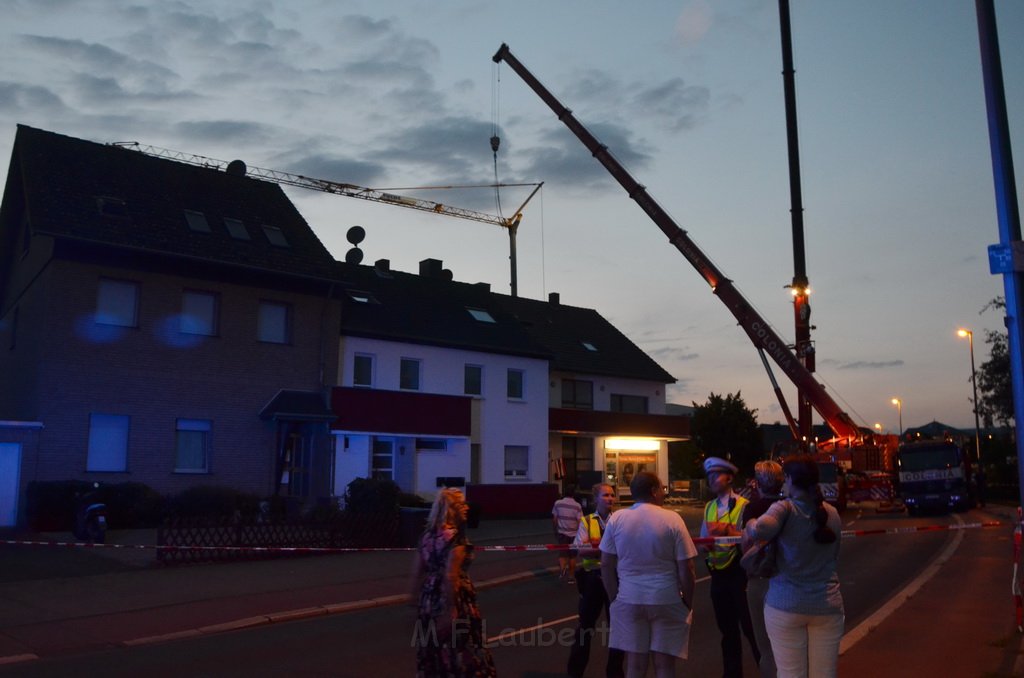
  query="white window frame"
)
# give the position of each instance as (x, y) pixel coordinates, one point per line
(182, 430)
(522, 384)
(200, 313)
(465, 370)
(108, 443)
(355, 371)
(117, 302)
(267, 329)
(517, 469)
(419, 374)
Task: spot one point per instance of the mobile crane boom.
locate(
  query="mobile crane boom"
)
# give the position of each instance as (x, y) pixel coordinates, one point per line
(758, 330)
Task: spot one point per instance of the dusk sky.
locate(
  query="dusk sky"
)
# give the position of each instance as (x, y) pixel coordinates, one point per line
(899, 206)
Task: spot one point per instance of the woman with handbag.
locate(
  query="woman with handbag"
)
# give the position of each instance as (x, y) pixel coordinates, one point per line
(803, 610)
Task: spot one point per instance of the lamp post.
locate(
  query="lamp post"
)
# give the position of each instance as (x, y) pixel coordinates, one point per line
(878, 428)
(899, 406)
(974, 384)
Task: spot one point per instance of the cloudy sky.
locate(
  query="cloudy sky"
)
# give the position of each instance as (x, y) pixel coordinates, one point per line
(688, 95)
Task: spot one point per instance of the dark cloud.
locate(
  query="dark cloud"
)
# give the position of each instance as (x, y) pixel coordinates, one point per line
(18, 99)
(681, 106)
(224, 130)
(342, 170)
(448, 147)
(565, 159)
(672, 104)
(870, 365)
(95, 57)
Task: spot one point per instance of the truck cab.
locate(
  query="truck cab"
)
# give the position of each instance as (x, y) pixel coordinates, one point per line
(933, 475)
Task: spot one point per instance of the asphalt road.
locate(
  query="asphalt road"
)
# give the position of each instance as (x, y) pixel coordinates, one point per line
(530, 622)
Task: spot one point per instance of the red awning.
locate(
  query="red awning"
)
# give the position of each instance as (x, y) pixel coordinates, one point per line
(400, 412)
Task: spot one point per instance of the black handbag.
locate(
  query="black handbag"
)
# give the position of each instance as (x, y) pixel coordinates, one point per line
(760, 556)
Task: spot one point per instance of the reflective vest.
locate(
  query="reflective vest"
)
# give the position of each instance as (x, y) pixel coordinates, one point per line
(595, 530)
(721, 557)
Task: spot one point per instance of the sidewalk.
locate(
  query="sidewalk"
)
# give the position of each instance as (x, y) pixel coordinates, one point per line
(57, 600)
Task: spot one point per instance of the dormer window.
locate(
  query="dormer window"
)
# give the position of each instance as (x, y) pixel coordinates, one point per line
(480, 315)
(275, 236)
(197, 221)
(361, 297)
(236, 229)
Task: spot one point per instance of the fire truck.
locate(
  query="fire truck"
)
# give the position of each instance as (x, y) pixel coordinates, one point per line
(850, 442)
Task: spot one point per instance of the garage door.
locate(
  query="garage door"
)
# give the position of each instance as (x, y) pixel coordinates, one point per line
(10, 465)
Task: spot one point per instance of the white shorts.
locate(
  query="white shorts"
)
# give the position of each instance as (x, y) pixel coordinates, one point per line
(650, 628)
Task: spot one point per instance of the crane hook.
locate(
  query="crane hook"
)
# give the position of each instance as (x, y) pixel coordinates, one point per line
(495, 142)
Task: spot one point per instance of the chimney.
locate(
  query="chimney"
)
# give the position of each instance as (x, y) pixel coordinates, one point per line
(430, 268)
(554, 299)
(382, 265)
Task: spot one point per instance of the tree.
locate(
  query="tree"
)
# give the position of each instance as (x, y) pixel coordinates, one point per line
(725, 427)
(995, 390)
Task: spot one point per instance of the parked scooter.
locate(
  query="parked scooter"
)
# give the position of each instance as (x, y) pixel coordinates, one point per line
(91, 517)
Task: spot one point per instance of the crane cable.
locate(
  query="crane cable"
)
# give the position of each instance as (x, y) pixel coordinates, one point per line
(495, 139)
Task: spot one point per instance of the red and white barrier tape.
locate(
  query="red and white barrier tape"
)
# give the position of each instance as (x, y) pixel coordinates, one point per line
(513, 547)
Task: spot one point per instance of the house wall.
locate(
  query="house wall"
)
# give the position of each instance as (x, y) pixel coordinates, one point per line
(497, 422)
(155, 375)
(604, 387)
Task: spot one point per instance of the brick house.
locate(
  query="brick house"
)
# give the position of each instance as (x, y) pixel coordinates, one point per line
(155, 317)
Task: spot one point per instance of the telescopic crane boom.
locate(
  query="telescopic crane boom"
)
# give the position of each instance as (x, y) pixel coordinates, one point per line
(765, 338)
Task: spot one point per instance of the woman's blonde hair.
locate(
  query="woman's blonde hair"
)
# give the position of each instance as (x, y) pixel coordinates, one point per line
(769, 476)
(445, 509)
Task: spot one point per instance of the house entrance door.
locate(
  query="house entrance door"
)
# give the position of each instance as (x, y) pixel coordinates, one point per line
(10, 475)
(382, 459)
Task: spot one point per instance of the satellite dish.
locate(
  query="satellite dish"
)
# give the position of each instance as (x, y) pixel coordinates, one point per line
(236, 168)
(447, 274)
(354, 256)
(356, 234)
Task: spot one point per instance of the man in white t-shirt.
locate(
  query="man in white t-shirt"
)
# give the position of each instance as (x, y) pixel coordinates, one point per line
(566, 515)
(649, 573)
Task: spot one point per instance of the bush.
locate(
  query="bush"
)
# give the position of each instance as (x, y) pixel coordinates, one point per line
(213, 501)
(368, 495)
(133, 505)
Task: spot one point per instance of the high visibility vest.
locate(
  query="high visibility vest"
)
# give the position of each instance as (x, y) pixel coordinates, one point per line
(594, 531)
(721, 557)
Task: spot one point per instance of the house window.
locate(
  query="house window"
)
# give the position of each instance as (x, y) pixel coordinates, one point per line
(633, 404)
(108, 443)
(274, 322)
(362, 370)
(117, 303)
(236, 228)
(192, 446)
(409, 374)
(480, 315)
(275, 236)
(515, 384)
(577, 456)
(517, 462)
(589, 346)
(382, 463)
(578, 394)
(197, 221)
(431, 445)
(199, 313)
(473, 380)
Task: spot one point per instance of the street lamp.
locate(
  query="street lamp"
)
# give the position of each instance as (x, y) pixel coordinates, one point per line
(974, 384)
(878, 428)
(899, 406)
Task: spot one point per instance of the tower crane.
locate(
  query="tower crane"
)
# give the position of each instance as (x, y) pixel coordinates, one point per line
(510, 224)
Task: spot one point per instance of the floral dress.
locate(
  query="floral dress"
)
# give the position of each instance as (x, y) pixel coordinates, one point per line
(445, 648)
